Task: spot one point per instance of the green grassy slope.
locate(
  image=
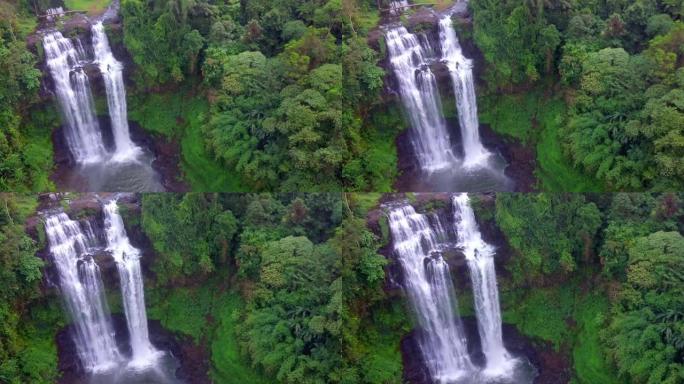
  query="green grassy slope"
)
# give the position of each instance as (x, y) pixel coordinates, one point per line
(536, 119)
(179, 115)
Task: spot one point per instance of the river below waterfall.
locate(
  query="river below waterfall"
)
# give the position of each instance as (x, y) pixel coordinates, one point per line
(491, 178)
(423, 244)
(161, 373)
(112, 176)
(99, 153)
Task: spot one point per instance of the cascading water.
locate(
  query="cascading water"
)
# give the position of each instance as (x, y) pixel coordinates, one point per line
(112, 70)
(127, 259)
(480, 258)
(72, 87)
(431, 293)
(397, 7)
(81, 287)
(461, 70)
(101, 166)
(420, 96)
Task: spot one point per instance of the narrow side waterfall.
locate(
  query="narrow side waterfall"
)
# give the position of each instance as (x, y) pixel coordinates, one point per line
(420, 96)
(480, 258)
(112, 72)
(81, 286)
(461, 70)
(72, 87)
(127, 259)
(431, 293)
(397, 7)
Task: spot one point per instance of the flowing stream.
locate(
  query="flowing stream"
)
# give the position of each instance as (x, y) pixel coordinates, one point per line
(461, 70)
(72, 87)
(101, 164)
(418, 90)
(81, 286)
(480, 258)
(431, 293)
(127, 259)
(72, 245)
(421, 243)
(443, 164)
(112, 69)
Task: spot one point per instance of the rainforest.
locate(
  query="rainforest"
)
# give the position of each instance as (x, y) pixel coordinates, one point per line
(342, 191)
(341, 95)
(330, 288)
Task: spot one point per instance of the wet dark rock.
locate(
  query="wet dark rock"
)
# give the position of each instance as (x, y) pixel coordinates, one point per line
(521, 159)
(193, 359)
(166, 153)
(167, 157)
(415, 369)
(552, 367)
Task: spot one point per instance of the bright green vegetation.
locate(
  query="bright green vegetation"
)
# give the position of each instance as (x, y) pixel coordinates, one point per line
(566, 317)
(382, 127)
(228, 364)
(361, 203)
(160, 113)
(25, 147)
(514, 116)
(598, 275)
(281, 111)
(179, 116)
(200, 169)
(645, 335)
(290, 288)
(27, 350)
(93, 7)
(554, 232)
(187, 310)
(591, 312)
(542, 313)
(379, 343)
(257, 279)
(183, 310)
(536, 119)
(618, 66)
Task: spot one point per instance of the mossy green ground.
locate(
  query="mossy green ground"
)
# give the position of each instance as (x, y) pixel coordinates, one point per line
(38, 357)
(93, 7)
(535, 119)
(568, 317)
(38, 151)
(207, 314)
(380, 342)
(179, 115)
(228, 366)
(381, 129)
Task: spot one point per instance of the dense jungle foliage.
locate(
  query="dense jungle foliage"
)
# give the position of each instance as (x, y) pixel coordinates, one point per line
(612, 264)
(27, 323)
(282, 79)
(288, 95)
(25, 147)
(617, 66)
(291, 288)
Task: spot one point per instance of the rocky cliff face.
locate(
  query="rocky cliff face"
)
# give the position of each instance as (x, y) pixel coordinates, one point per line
(88, 207)
(552, 366)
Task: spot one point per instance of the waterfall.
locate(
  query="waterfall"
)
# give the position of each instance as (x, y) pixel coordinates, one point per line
(127, 259)
(420, 97)
(81, 286)
(397, 7)
(72, 87)
(461, 70)
(112, 70)
(480, 258)
(431, 293)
